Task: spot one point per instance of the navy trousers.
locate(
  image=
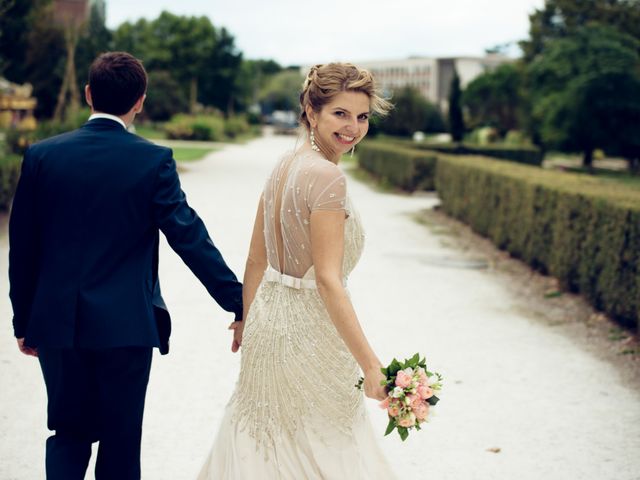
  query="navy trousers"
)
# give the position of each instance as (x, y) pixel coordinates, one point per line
(95, 396)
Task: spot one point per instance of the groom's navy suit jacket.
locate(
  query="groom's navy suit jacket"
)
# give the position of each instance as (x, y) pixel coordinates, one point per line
(84, 233)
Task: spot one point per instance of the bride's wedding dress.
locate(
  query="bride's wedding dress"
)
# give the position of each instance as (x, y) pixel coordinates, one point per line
(295, 412)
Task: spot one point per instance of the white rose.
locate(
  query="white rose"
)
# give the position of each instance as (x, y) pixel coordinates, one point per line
(397, 392)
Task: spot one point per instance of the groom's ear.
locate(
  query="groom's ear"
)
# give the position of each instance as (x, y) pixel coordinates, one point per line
(87, 95)
(138, 105)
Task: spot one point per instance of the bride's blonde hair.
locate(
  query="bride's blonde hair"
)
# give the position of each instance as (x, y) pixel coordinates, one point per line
(326, 81)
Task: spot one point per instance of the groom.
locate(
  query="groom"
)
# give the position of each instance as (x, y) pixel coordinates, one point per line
(83, 269)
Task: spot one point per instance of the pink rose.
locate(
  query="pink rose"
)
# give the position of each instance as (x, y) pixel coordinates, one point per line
(423, 379)
(385, 403)
(414, 400)
(393, 409)
(425, 392)
(403, 380)
(421, 411)
(407, 420)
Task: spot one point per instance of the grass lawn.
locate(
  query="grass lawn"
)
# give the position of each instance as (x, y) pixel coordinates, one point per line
(190, 154)
(615, 177)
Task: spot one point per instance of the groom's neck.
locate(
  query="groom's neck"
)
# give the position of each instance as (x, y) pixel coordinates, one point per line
(127, 118)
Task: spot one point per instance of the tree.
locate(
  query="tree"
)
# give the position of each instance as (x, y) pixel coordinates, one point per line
(220, 72)
(202, 59)
(494, 99)
(281, 91)
(44, 62)
(412, 112)
(15, 20)
(561, 18)
(456, 122)
(96, 39)
(586, 89)
(251, 79)
(164, 97)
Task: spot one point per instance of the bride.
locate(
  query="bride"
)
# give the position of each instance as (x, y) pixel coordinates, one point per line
(295, 412)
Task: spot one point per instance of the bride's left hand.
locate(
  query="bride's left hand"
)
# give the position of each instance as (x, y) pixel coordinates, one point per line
(237, 328)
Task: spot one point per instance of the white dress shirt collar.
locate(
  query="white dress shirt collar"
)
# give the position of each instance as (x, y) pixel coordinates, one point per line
(109, 117)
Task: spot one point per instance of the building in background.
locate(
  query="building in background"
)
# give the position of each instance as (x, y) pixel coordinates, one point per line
(430, 76)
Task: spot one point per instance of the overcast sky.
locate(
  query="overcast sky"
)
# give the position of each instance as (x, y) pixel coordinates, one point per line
(301, 32)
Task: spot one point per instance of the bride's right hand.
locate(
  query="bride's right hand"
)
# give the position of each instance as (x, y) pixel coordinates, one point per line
(372, 388)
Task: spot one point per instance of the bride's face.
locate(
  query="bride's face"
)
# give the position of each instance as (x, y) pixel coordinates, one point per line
(341, 123)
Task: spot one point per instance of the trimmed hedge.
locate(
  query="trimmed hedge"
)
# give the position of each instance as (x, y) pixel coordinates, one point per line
(526, 155)
(584, 231)
(401, 167)
(9, 174)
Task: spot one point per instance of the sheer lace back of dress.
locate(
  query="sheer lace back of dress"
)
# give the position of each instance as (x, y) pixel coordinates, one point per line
(301, 183)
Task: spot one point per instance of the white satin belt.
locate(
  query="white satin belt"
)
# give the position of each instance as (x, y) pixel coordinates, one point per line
(272, 275)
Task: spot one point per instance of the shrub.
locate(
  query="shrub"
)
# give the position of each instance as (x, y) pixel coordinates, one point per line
(195, 127)
(9, 174)
(18, 140)
(400, 166)
(583, 230)
(236, 126)
(529, 155)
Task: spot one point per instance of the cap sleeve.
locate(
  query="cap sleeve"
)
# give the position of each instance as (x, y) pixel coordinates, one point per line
(327, 188)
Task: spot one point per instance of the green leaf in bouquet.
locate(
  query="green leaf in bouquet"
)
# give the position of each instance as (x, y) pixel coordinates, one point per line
(414, 360)
(394, 368)
(390, 426)
(433, 400)
(385, 371)
(404, 433)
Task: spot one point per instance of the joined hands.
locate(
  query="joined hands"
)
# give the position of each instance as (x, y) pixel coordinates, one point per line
(238, 328)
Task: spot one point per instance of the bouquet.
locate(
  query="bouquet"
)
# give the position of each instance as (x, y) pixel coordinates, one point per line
(411, 390)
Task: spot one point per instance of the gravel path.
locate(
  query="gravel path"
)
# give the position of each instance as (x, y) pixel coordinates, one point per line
(554, 410)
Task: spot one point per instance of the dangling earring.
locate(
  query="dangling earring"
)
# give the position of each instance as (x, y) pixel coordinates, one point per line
(312, 137)
(353, 149)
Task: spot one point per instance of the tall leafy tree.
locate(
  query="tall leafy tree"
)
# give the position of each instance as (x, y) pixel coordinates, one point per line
(220, 73)
(96, 39)
(412, 112)
(16, 17)
(201, 58)
(281, 91)
(559, 19)
(585, 91)
(164, 97)
(44, 61)
(494, 98)
(456, 122)
(252, 77)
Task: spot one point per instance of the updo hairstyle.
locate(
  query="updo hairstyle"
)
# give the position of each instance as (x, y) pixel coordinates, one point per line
(326, 81)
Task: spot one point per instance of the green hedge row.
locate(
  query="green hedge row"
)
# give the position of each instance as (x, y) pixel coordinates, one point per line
(584, 231)
(526, 155)
(401, 167)
(9, 174)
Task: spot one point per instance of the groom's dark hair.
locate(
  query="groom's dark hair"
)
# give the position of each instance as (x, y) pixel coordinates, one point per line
(117, 80)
